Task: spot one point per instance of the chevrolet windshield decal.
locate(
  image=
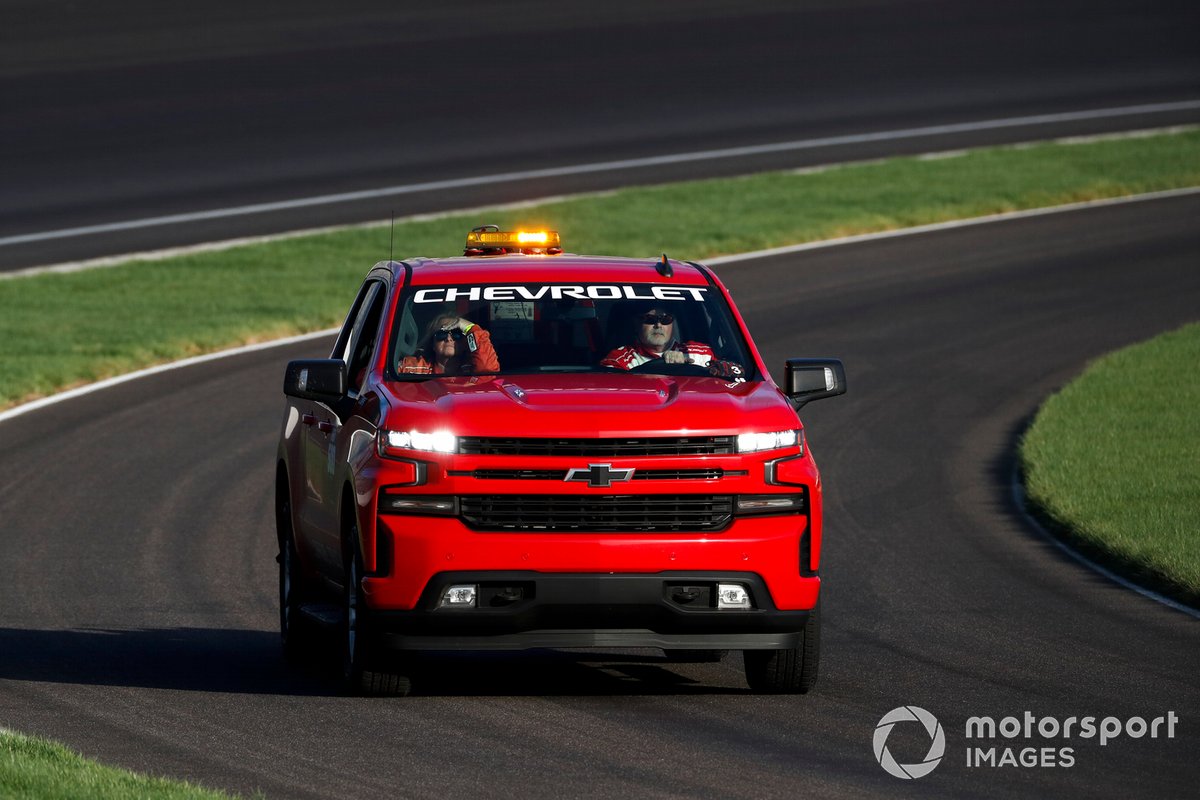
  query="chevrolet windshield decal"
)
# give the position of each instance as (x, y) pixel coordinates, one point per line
(599, 475)
(446, 294)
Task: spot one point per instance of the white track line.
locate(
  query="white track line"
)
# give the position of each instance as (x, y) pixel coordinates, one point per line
(226, 244)
(1018, 494)
(604, 166)
(70, 394)
(956, 223)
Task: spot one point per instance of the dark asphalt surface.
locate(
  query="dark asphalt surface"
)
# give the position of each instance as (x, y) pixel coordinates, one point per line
(119, 111)
(138, 606)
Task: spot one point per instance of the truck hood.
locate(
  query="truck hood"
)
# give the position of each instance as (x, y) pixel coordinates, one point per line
(587, 405)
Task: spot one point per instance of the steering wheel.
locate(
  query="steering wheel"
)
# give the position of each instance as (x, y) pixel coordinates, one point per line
(657, 366)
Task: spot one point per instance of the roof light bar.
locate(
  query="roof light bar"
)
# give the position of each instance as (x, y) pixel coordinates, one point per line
(489, 240)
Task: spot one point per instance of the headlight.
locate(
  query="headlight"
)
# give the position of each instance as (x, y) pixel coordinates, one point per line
(754, 442)
(436, 442)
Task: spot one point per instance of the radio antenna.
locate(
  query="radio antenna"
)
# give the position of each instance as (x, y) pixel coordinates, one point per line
(392, 237)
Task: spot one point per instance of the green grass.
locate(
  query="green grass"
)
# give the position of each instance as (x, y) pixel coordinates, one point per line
(37, 768)
(60, 330)
(1113, 460)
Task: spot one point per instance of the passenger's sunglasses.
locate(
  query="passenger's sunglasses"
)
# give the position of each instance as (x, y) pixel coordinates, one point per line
(661, 319)
(455, 334)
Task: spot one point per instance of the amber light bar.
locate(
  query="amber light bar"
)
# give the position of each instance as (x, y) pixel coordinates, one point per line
(480, 242)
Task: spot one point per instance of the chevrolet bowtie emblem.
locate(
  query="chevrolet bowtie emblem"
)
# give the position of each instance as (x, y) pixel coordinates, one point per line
(599, 475)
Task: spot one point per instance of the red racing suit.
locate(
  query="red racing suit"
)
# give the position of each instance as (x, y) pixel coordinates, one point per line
(635, 355)
(482, 359)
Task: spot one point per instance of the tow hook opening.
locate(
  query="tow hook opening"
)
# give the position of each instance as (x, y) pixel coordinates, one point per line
(716, 595)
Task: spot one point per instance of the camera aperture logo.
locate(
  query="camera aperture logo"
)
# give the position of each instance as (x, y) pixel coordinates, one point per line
(937, 744)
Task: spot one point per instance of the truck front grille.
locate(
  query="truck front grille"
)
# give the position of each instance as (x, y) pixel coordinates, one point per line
(701, 474)
(661, 446)
(601, 513)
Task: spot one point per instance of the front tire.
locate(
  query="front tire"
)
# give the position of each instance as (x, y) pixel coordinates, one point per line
(294, 635)
(791, 671)
(359, 672)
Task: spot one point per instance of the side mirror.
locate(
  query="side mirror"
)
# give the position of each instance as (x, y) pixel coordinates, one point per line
(321, 379)
(808, 379)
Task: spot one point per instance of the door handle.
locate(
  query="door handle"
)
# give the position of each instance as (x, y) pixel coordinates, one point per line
(322, 425)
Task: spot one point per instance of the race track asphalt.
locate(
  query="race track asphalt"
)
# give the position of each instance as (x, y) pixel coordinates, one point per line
(138, 601)
(118, 112)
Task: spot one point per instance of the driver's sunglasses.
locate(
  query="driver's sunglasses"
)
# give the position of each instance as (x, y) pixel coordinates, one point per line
(661, 319)
(441, 336)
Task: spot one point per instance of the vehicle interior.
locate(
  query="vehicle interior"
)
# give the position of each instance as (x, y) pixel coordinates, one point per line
(565, 334)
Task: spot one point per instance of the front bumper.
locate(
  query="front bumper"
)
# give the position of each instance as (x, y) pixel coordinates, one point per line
(523, 610)
(772, 548)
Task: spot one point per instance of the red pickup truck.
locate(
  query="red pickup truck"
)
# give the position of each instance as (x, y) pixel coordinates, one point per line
(520, 448)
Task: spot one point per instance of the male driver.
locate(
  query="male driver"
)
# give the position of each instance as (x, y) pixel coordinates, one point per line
(656, 340)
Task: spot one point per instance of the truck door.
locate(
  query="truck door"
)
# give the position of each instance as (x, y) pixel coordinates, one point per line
(323, 429)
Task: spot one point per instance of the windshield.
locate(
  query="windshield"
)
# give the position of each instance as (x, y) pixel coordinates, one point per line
(522, 328)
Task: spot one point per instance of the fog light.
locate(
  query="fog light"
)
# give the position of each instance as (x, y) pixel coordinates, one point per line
(461, 596)
(732, 595)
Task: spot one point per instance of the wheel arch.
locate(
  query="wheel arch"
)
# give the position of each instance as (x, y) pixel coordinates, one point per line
(284, 508)
(359, 507)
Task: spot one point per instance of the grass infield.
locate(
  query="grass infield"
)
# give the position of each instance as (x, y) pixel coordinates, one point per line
(1111, 462)
(62, 330)
(32, 768)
